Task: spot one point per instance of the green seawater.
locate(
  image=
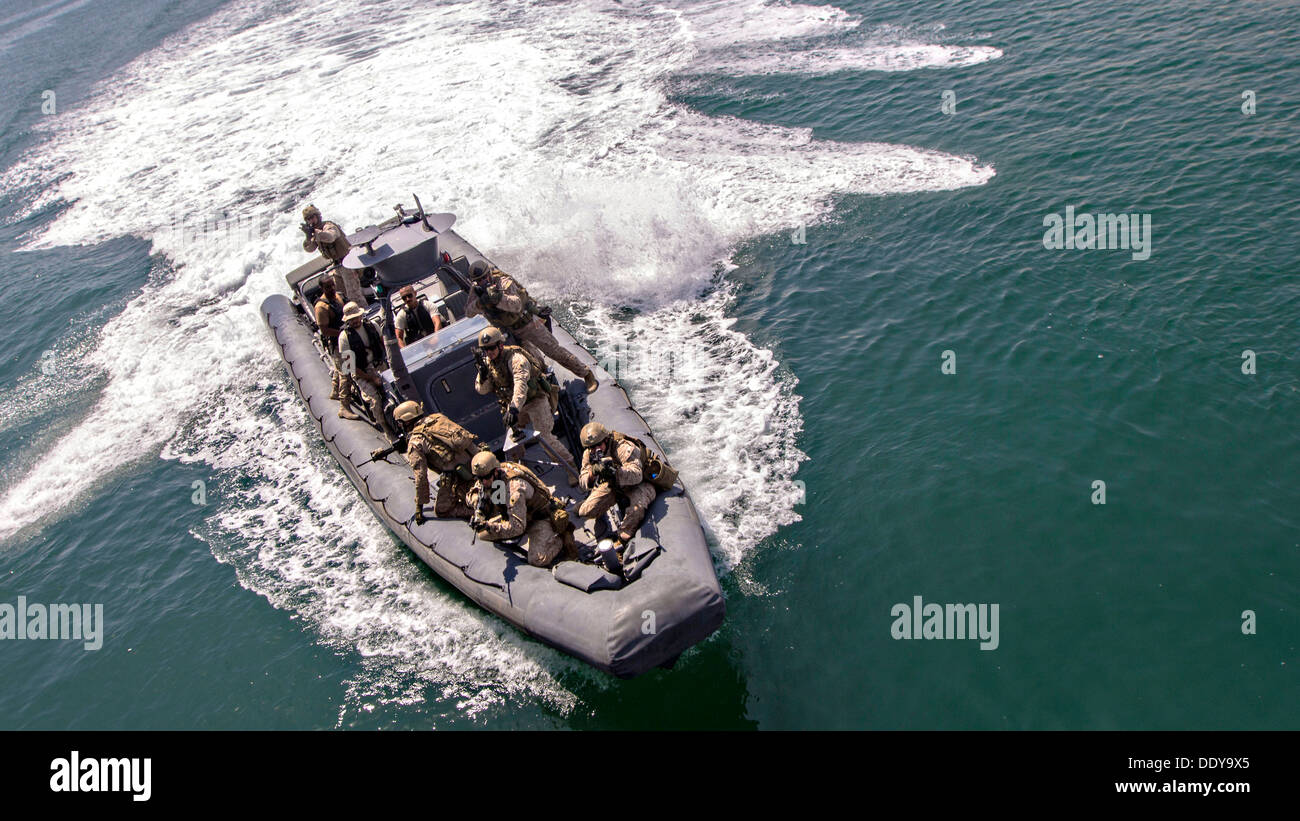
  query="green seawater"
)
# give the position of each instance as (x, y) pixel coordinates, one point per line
(977, 486)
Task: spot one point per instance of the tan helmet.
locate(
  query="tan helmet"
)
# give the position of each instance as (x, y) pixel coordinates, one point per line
(309, 212)
(484, 464)
(593, 433)
(352, 311)
(490, 336)
(407, 411)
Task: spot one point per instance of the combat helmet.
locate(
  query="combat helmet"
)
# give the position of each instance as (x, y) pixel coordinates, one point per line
(484, 464)
(408, 411)
(309, 212)
(490, 336)
(593, 433)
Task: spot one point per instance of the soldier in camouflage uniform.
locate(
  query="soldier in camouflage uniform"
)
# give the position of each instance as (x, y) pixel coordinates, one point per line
(613, 466)
(332, 242)
(519, 504)
(526, 396)
(437, 442)
(507, 306)
(329, 319)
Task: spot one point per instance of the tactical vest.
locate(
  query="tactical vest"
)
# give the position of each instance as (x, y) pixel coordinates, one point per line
(503, 381)
(336, 250)
(539, 507)
(366, 355)
(423, 325)
(509, 320)
(447, 440)
(335, 309)
(654, 468)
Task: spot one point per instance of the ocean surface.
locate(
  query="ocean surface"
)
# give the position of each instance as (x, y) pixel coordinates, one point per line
(809, 237)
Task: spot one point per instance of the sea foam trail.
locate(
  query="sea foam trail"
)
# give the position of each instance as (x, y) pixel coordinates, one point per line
(547, 130)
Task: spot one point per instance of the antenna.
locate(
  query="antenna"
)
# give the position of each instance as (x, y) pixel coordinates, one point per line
(419, 210)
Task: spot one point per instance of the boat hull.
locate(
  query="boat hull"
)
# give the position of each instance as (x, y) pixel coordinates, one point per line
(674, 604)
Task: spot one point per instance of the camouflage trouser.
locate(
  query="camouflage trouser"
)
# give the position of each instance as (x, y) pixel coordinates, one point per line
(370, 392)
(639, 497)
(535, 339)
(450, 501)
(338, 382)
(542, 543)
(537, 415)
(348, 282)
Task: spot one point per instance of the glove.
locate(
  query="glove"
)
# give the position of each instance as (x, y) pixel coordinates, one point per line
(544, 311)
(419, 516)
(482, 371)
(305, 228)
(584, 481)
(607, 473)
(479, 292)
(463, 472)
(482, 533)
(378, 453)
(511, 417)
(492, 296)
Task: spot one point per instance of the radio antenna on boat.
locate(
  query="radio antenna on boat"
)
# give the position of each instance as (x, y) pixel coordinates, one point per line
(419, 212)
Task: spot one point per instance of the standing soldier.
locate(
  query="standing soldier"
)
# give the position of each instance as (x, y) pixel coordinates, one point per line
(332, 242)
(510, 501)
(524, 393)
(329, 319)
(508, 306)
(619, 468)
(436, 441)
(361, 353)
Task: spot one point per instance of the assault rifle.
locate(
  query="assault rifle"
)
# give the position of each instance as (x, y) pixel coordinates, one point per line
(482, 511)
(382, 454)
(481, 359)
(607, 474)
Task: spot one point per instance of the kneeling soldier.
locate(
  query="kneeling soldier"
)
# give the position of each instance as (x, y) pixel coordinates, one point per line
(510, 501)
(619, 468)
(436, 441)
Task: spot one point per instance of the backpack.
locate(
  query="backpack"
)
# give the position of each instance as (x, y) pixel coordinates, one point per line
(654, 468)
